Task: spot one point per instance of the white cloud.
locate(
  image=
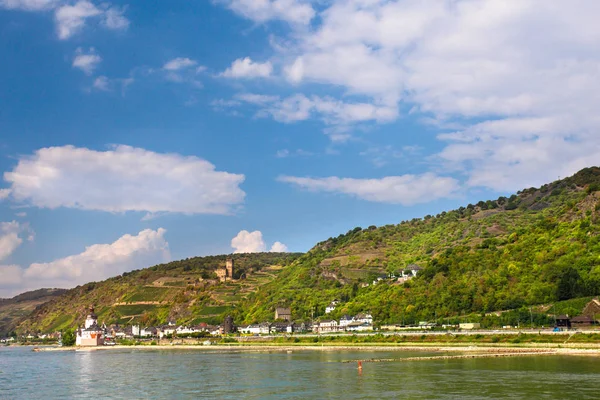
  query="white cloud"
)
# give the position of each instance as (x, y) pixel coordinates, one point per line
(278, 247)
(246, 68)
(248, 242)
(101, 261)
(333, 112)
(21, 214)
(123, 179)
(29, 5)
(97, 262)
(4, 193)
(283, 153)
(292, 11)
(9, 238)
(71, 17)
(10, 276)
(179, 63)
(102, 83)
(87, 62)
(258, 99)
(406, 189)
(480, 64)
(252, 242)
(114, 19)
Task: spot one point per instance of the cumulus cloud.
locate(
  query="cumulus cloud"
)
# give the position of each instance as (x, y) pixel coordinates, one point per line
(87, 62)
(71, 17)
(523, 99)
(95, 263)
(179, 63)
(252, 242)
(114, 19)
(102, 83)
(278, 247)
(406, 189)
(335, 113)
(29, 5)
(123, 179)
(292, 11)
(9, 238)
(246, 68)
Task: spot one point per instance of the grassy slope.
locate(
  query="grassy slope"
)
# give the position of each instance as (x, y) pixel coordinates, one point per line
(174, 291)
(536, 247)
(14, 310)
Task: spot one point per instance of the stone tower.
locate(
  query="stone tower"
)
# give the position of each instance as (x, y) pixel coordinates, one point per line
(229, 267)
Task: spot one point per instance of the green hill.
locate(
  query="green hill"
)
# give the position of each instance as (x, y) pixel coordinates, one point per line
(538, 246)
(535, 248)
(13, 311)
(186, 291)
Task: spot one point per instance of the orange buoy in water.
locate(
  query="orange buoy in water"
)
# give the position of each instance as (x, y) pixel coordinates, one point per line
(360, 365)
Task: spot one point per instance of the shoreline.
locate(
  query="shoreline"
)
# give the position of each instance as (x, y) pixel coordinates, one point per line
(470, 351)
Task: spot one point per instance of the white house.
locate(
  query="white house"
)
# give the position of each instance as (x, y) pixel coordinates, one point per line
(411, 271)
(253, 329)
(359, 327)
(330, 307)
(345, 320)
(264, 328)
(364, 318)
(328, 326)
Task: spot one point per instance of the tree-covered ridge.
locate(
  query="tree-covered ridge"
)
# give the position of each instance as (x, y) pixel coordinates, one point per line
(537, 246)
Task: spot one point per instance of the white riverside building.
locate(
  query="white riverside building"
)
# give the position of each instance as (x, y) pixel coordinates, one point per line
(92, 334)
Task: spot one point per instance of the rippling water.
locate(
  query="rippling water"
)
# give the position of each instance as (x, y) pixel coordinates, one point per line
(187, 374)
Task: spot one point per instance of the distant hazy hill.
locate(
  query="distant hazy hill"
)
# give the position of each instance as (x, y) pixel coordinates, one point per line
(536, 247)
(13, 311)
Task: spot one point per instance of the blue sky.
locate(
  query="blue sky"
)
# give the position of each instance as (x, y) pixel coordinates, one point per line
(136, 132)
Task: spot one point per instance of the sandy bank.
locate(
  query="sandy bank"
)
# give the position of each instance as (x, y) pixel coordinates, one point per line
(471, 350)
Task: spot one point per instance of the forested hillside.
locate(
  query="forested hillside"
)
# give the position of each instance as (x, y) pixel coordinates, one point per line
(536, 247)
(13, 311)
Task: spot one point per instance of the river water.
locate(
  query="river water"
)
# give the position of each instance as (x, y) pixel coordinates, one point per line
(189, 374)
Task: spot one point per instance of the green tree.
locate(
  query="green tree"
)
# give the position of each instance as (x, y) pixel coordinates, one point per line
(68, 338)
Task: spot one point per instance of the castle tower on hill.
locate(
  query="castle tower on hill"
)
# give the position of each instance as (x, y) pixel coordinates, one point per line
(226, 273)
(229, 267)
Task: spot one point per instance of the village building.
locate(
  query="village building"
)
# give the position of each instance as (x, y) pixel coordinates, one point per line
(563, 321)
(91, 334)
(283, 313)
(264, 328)
(328, 325)
(592, 309)
(331, 307)
(409, 272)
(345, 320)
(252, 329)
(228, 326)
(469, 325)
(364, 318)
(582, 321)
(226, 273)
(358, 327)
